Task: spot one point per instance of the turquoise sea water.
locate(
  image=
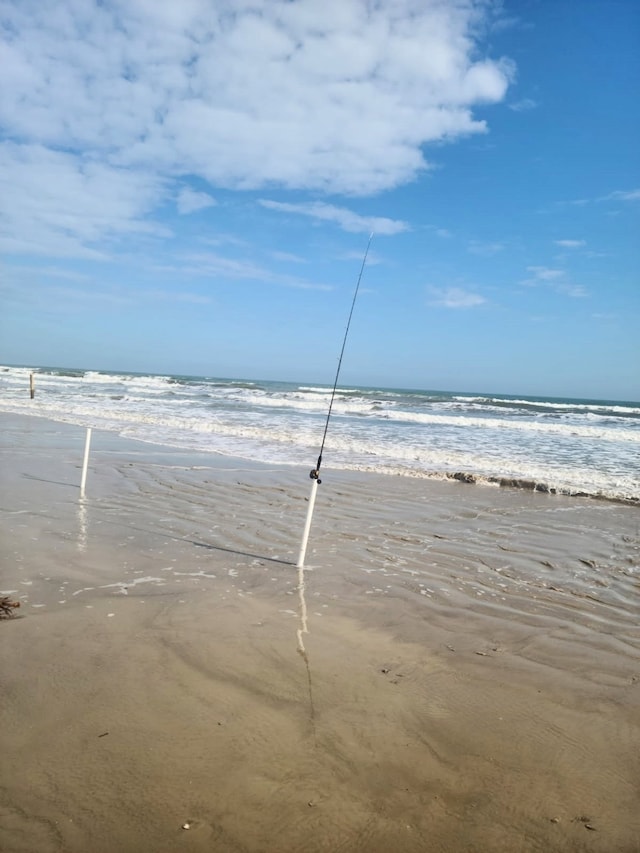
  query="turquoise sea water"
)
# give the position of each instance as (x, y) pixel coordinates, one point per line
(557, 445)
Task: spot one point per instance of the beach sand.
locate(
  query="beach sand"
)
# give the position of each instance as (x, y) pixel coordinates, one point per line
(470, 679)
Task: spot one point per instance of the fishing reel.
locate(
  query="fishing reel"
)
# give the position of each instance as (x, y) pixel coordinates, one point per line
(315, 475)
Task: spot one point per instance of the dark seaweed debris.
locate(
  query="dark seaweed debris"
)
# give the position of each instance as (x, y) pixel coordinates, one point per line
(535, 486)
(7, 607)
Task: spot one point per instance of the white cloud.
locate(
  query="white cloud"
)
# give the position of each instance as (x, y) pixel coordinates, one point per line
(60, 204)
(50, 272)
(188, 200)
(575, 291)
(26, 287)
(545, 273)
(478, 247)
(570, 244)
(555, 279)
(106, 105)
(373, 258)
(456, 297)
(174, 296)
(623, 195)
(346, 219)
(213, 264)
(60, 291)
(616, 195)
(288, 257)
(221, 239)
(216, 266)
(523, 105)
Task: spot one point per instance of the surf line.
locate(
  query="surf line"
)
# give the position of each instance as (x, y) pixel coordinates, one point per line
(315, 472)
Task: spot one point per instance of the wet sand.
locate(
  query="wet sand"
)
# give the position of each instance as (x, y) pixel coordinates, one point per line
(470, 679)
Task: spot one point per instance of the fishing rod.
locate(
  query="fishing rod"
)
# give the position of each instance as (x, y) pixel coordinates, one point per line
(315, 472)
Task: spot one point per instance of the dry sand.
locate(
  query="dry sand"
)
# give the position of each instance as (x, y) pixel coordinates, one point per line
(470, 682)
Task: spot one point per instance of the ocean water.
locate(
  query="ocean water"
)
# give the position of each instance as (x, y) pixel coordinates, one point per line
(589, 447)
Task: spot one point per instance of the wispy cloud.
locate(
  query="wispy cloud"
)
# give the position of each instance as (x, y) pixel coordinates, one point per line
(211, 263)
(622, 195)
(570, 244)
(176, 296)
(64, 299)
(288, 257)
(373, 258)
(523, 105)
(49, 272)
(478, 247)
(342, 216)
(216, 266)
(575, 291)
(40, 287)
(221, 239)
(616, 195)
(188, 200)
(556, 279)
(455, 297)
(544, 274)
(59, 204)
(443, 233)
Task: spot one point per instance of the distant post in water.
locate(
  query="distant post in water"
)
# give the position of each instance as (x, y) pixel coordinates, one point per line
(32, 385)
(85, 462)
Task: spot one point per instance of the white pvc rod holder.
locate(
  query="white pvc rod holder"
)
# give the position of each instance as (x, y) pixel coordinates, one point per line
(307, 524)
(85, 462)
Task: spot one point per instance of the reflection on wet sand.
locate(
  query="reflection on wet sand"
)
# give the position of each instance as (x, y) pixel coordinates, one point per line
(82, 525)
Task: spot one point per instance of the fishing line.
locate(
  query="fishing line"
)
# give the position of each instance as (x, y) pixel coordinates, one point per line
(315, 472)
(315, 477)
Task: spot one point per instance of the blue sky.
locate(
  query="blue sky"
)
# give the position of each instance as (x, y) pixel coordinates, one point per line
(189, 188)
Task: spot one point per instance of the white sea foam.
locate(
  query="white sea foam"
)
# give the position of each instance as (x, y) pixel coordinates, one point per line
(565, 445)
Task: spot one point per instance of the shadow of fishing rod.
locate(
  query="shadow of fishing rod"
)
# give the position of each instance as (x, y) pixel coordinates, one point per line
(233, 551)
(45, 480)
(198, 544)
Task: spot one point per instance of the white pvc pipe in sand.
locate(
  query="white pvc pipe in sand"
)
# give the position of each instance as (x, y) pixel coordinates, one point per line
(307, 525)
(85, 462)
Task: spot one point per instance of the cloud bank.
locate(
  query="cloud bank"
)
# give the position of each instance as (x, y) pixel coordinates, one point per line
(124, 100)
